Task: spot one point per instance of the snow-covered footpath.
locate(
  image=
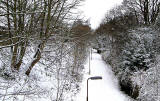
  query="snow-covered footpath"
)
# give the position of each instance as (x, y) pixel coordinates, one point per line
(100, 90)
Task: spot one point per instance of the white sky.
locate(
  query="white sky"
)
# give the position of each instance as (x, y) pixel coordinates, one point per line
(95, 10)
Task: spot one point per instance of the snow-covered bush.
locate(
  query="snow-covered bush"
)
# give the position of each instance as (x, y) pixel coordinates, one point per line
(157, 24)
(138, 52)
(133, 53)
(149, 82)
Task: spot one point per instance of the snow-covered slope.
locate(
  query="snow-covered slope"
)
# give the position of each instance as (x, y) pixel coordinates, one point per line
(100, 90)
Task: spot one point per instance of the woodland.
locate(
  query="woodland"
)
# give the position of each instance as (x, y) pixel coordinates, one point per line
(44, 45)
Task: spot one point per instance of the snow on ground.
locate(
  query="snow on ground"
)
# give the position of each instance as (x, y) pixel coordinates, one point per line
(100, 90)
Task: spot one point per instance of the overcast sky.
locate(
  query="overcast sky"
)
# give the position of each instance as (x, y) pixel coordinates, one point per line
(96, 9)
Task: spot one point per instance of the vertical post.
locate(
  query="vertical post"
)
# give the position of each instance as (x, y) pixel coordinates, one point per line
(87, 89)
(89, 63)
(91, 53)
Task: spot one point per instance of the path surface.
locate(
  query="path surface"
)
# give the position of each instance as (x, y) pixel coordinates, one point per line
(100, 90)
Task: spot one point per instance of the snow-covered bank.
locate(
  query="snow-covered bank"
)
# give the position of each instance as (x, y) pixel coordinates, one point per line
(51, 79)
(100, 90)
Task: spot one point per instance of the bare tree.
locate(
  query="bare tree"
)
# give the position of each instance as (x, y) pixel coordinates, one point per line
(148, 9)
(25, 18)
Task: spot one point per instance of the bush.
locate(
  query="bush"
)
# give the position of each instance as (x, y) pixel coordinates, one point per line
(132, 52)
(157, 24)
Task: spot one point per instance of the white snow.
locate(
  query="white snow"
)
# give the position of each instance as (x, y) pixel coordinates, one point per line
(100, 90)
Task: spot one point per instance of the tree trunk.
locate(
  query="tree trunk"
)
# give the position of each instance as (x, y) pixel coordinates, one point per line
(75, 59)
(37, 57)
(15, 48)
(22, 52)
(14, 57)
(9, 25)
(33, 63)
(146, 12)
